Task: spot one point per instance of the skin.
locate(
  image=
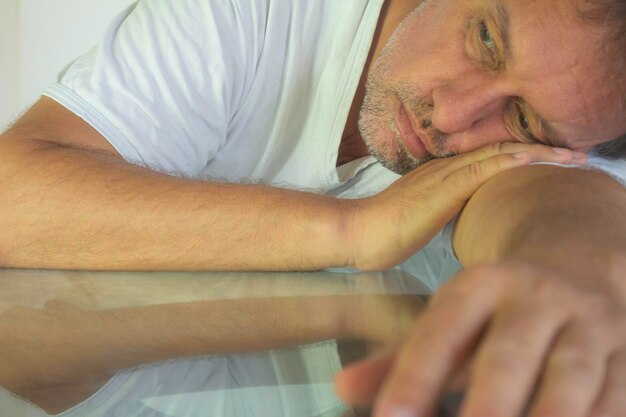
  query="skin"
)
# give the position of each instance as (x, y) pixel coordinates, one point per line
(118, 216)
(463, 86)
(540, 304)
(542, 311)
(255, 312)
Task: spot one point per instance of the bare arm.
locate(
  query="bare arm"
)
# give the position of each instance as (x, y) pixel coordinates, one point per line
(573, 220)
(69, 201)
(536, 316)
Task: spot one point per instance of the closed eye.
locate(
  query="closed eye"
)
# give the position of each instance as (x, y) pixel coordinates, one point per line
(523, 124)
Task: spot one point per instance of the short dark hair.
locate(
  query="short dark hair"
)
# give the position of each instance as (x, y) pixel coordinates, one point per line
(614, 149)
(611, 16)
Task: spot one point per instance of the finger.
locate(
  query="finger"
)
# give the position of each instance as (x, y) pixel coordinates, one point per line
(462, 183)
(510, 359)
(536, 153)
(574, 373)
(445, 335)
(612, 400)
(359, 383)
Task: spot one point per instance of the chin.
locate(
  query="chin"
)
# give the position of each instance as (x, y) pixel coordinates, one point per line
(377, 125)
(385, 145)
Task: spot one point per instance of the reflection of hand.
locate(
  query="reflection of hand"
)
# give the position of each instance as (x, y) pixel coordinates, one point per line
(35, 347)
(28, 331)
(381, 318)
(391, 226)
(524, 328)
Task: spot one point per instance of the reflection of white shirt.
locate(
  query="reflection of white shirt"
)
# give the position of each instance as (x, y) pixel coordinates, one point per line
(283, 383)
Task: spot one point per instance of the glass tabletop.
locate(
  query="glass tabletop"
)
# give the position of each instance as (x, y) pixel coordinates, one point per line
(192, 344)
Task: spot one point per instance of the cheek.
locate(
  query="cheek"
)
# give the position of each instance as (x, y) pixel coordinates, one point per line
(427, 45)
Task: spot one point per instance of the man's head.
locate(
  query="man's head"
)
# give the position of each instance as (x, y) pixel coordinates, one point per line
(460, 74)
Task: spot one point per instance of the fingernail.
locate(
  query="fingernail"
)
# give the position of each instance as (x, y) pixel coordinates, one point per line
(400, 412)
(390, 410)
(520, 155)
(578, 155)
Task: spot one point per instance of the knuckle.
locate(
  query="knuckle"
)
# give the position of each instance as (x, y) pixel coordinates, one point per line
(473, 172)
(497, 147)
(513, 146)
(597, 306)
(547, 290)
(509, 354)
(575, 359)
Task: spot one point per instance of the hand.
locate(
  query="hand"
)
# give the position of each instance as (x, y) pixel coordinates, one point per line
(523, 329)
(388, 228)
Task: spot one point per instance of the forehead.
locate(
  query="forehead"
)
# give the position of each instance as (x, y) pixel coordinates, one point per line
(554, 66)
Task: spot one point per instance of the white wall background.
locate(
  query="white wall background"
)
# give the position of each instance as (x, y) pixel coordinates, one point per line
(38, 38)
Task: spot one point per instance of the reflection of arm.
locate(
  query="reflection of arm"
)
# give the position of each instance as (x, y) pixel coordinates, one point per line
(570, 219)
(82, 346)
(112, 290)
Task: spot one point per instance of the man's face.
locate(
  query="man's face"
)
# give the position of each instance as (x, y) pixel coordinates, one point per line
(460, 74)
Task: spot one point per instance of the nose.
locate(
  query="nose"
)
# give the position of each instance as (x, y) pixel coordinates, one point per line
(459, 105)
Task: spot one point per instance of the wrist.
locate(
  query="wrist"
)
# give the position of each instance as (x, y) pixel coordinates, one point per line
(370, 245)
(346, 241)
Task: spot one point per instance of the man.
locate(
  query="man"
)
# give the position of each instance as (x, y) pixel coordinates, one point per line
(269, 91)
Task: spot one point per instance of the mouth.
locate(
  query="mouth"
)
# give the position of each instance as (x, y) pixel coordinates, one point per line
(412, 141)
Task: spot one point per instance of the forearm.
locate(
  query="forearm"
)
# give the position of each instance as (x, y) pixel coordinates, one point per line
(573, 220)
(73, 209)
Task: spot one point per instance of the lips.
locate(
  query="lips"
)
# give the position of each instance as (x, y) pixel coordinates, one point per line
(410, 138)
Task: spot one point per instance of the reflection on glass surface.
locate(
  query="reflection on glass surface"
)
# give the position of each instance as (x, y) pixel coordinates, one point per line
(190, 344)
